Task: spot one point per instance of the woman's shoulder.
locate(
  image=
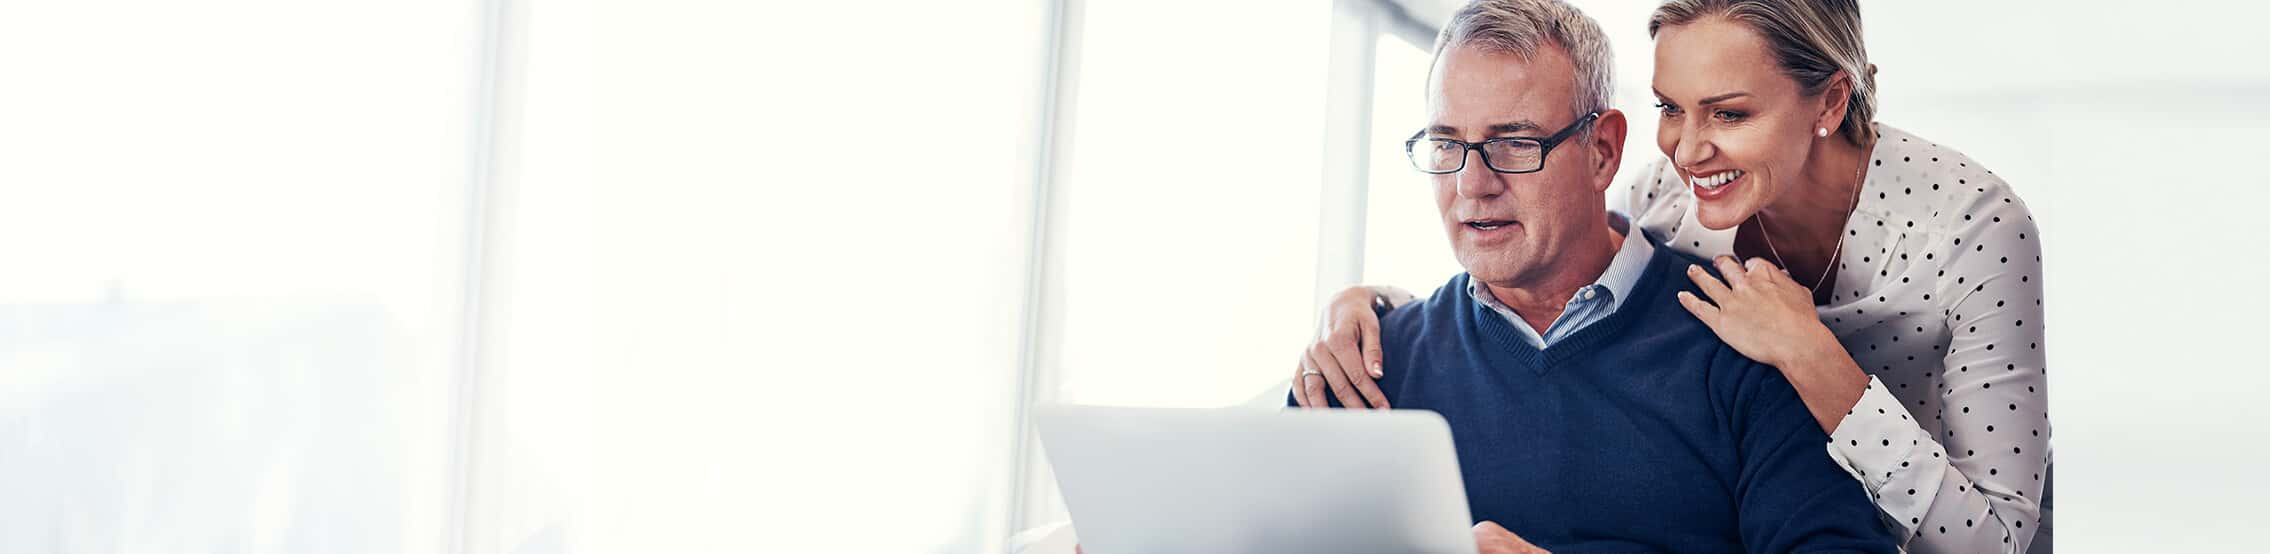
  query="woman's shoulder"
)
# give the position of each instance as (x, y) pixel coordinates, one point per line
(1653, 188)
(1656, 199)
(1444, 302)
(1912, 179)
(1931, 210)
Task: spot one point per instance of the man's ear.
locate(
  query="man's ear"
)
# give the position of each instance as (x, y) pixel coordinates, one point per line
(1607, 147)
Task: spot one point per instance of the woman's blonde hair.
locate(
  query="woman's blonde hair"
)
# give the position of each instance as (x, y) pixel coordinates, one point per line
(1812, 39)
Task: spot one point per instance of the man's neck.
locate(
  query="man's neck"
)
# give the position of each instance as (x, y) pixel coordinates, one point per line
(1540, 303)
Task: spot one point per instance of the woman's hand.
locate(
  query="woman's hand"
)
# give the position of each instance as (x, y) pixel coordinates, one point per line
(1346, 358)
(1759, 311)
(1768, 317)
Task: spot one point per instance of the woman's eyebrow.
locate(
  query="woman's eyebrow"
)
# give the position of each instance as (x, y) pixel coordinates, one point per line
(1723, 97)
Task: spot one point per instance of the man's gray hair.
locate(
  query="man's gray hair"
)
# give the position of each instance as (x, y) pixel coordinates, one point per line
(1520, 27)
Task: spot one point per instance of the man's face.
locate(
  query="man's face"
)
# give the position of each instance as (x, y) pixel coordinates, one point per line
(1507, 229)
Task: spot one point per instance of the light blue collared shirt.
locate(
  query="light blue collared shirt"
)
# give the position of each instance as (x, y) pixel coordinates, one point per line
(1590, 304)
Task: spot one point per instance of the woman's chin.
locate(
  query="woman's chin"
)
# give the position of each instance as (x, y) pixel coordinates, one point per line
(1720, 215)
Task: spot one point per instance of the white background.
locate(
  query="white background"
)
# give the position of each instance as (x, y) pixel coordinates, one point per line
(679, 275)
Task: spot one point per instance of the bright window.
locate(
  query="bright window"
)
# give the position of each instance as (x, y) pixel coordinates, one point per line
(762, 303)
(234, 256)
(1191, 201)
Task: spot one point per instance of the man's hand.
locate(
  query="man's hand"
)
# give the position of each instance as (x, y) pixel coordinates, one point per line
(1493, 539)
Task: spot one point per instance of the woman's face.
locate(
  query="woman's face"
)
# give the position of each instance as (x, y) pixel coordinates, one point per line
(1738, 129)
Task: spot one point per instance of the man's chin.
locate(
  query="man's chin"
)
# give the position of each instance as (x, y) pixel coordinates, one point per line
(1492, 272)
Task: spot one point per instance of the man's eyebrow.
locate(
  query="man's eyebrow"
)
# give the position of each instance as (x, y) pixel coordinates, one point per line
(1514, 127)
(1498, 129)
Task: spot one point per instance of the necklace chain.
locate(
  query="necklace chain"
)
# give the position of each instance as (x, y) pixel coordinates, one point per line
(1859, 179)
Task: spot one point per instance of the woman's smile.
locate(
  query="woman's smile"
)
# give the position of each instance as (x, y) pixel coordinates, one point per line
(1717, 185)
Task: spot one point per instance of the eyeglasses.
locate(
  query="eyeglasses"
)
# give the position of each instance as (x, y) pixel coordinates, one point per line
(1439, 156)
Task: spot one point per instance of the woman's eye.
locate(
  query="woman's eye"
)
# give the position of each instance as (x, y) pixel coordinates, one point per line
(1668, 110)
(1727, 116)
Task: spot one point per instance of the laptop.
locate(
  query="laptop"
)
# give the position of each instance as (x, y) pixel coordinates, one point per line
(1140, 480)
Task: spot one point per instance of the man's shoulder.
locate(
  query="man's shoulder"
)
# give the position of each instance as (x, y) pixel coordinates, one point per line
(1425, 314)
(1666, 277)
(1660, 284)
(1673, 259)
(1667, 317)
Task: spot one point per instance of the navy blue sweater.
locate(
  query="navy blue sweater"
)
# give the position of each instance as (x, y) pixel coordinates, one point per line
(1640, 432)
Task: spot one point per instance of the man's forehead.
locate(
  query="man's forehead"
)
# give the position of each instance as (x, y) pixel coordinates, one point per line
(1498, 92)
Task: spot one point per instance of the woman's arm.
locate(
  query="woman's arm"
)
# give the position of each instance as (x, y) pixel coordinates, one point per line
(1977, 486)
(1974, 488)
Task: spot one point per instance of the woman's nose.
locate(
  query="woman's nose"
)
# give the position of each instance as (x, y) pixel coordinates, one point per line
(1693, 150)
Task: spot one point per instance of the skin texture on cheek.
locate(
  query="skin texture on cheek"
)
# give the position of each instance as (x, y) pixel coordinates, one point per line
(1492, 261)
(1553, 206)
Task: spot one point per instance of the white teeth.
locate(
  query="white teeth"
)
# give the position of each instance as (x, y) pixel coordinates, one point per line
(1715, 181)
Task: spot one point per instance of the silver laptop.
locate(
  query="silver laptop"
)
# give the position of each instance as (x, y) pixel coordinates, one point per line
(1141, 480)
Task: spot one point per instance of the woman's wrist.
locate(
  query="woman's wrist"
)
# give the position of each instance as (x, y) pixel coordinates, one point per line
(1830, 382)
(1826, 378)
(1817, 348)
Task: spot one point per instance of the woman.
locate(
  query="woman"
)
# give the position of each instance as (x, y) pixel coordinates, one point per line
(1895, 282)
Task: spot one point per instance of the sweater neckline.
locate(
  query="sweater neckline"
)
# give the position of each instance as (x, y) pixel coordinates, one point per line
(1644, 300)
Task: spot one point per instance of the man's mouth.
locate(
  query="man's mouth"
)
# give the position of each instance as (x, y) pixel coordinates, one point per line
(1488, 224)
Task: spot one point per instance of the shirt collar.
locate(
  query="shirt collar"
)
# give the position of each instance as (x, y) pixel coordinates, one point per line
(1616, 282)
(1624, 271)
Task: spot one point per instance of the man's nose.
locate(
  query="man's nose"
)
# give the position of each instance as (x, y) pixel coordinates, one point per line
(1476, 180)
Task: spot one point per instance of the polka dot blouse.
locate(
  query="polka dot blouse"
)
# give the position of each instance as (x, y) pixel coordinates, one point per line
(1939, 299)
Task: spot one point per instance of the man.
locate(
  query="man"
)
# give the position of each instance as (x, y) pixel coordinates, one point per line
(1589, 411)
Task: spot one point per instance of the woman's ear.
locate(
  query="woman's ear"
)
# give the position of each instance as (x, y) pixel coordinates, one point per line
(1836, 99)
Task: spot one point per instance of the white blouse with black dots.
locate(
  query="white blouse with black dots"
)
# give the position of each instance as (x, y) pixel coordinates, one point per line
(1939, 299)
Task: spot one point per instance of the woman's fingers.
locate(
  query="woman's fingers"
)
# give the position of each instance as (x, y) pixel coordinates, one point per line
(1351, 366)
(1702, 309)
(1375, 360)
(1709, 285)
(1759, 267)
(1731, 270)
(1763, 270)
(1334, 380)
(1300, 389)
(1309, 384)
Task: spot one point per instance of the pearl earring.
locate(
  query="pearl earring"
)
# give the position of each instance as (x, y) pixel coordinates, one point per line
(1822, 132)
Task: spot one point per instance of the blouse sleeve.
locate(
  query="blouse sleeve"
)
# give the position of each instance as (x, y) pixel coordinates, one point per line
(1975, 487)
